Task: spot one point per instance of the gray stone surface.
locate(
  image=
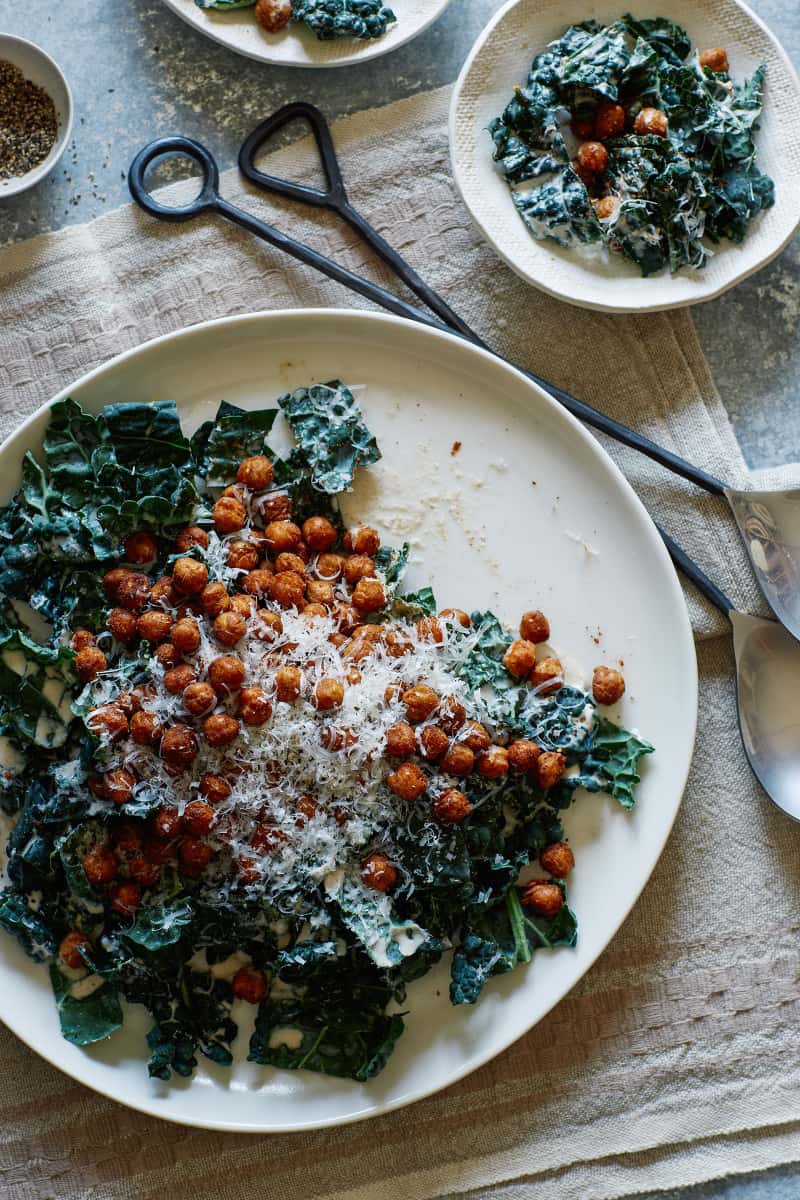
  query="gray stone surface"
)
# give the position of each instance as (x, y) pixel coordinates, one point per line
(138, 72)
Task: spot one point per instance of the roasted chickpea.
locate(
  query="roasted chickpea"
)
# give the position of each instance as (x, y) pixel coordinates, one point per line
(178, 679)
(546, 899)
(163, 594)
(112, 579)
(194, 856)
(267, 625)
(318, 533)
(307, 809)
(459, 760)
(72, 948)
(408, 782)
(220, 729)
(244, 605)
(328, 567)
(108, 722)
(82, 638)
(229, 515)
(337, 639)
(154, 626)
(193, 536)
(475, 736)
(362, 540)
(368, 595)
(523, 754)
(275, 507)
(282, 535)
(593, 157)
(652, 122)
(267, 839)
(229, 628)
(128, 837)
(550, 766)
(338, 737)
(248, 983)
(328, 694)
(140, 548)
(319, 592)
(419, 701)
(214, 599)
(133, 591)
(288, 682)
(166, 655)
(357, 566)
(370, 633)
(451, 807)
(288, 589)
(226, 674)
(608, 686)
(198, 817)
(547, 676)
(429, 629)
(451, 715)
(493, 763)
(158, 851)
(89, 662)
(198, 698)
(458, 616)
(255, 472)
(125, 898)
(433, 741)
(557, 859)
(358, 649)
(118, 785)
(122, 624)
(715, 60)
(145, 873)
(400, 741)
(257, 583)
(286, 561)
(186, 635)
(379, 873)
(605, 207)
(179, 745)
(214, 788)
(519, 658)
(254, 707)
(609, 120)
(242, 556)
(146, 729)
(189, 576)
(129, 702)
(100, 864)
(582, 127)
(167, 822)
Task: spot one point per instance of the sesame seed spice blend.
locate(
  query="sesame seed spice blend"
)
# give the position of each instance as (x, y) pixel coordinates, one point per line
(28, 123)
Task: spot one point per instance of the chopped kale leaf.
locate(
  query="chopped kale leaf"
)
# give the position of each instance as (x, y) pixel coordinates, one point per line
(327, 423)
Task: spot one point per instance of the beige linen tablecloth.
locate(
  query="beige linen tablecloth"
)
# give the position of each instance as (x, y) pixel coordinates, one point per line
(675, 1058)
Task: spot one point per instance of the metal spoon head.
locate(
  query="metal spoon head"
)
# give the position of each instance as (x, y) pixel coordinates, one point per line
(769, 523)
(768, 693)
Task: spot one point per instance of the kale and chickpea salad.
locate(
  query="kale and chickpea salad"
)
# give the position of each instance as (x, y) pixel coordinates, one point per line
(246, 767)
(328, 19)
(619, 137)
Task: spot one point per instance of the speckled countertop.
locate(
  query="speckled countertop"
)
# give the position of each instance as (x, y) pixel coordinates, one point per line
(137, 72)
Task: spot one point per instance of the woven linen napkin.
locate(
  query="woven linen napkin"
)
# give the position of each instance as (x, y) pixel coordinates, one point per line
(674, 1059)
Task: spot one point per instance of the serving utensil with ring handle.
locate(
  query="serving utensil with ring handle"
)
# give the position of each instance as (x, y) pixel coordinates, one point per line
(769, 522)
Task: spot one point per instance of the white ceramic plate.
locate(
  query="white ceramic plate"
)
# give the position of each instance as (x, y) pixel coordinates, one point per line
(501, 58)
(505, 523)
(296, 46)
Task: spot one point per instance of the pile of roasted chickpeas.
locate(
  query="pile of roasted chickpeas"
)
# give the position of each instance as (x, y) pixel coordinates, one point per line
(309, 570)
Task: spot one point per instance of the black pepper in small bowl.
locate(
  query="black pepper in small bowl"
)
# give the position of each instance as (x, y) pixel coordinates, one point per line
(28, 123)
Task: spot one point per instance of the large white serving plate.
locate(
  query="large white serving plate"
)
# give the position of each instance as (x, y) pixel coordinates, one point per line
(529, 512)
(589, 276)
(296, 46)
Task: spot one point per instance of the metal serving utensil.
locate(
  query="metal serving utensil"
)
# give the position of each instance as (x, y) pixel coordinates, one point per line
(767, 692)
(769, 522)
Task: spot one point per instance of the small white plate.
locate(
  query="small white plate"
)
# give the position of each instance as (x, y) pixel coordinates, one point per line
(296, 46)
(501, 58)
(40, 69)
(530, 512)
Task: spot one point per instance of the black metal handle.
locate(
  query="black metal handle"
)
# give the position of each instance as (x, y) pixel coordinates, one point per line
(335, 196)
(690, 569)
(208, 197)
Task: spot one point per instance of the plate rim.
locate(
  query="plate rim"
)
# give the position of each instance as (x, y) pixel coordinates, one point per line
(541, 283)
(593, 446)
(372, 49)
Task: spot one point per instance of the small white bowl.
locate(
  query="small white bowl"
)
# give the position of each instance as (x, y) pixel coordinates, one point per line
(40, 69)
(501, 58)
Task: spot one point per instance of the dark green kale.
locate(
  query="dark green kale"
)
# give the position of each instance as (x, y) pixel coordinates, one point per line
(235, 433)
(671, 192)
(18, 919)
(36, 685)
(344, 18)
(86, 1016)
(330, 433)
(611, 764)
